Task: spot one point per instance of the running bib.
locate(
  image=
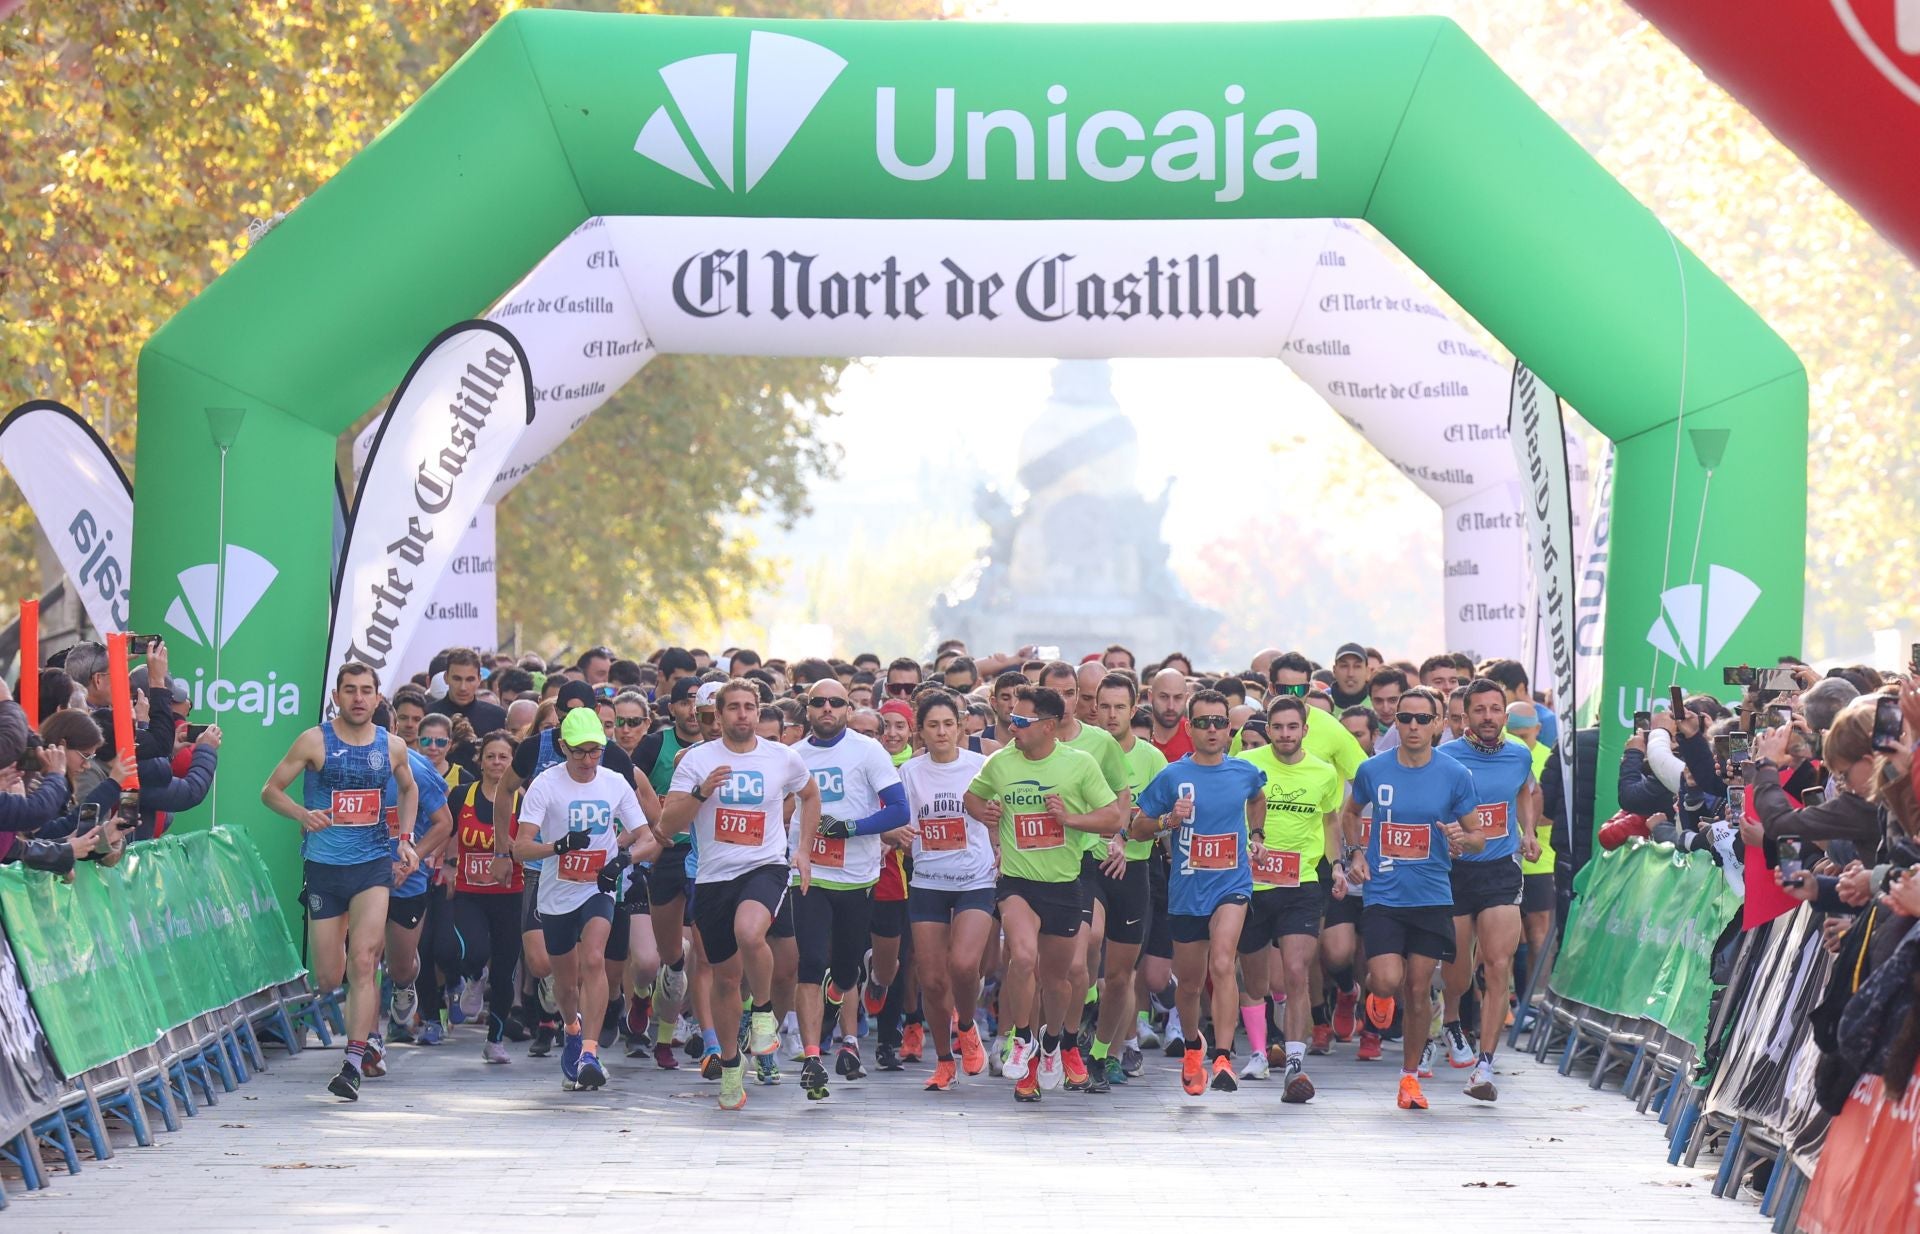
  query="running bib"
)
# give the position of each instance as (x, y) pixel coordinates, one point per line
(476, 868)
(1218, 852)
(828, 852)
(1277, 868)
(1034, 831)
(358, 807)
(582, 865)
(394, 830)
(746, 827)
(1406, 841)
(943, 835)
(1493, 820)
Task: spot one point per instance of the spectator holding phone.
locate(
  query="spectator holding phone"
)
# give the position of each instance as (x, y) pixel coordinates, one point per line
(1849, 812)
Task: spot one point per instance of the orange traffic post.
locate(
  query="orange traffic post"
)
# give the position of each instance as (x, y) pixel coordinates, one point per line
(30, 662)
(119, 675)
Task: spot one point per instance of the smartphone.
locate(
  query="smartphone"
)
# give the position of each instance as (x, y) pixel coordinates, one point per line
(1913, 659)
(142, 644)
(1738, 676)
(1739, 748)
(127, 817)
(1046, 653)
(1775, 681)
(1676, 700)
(89, 816)
(1793, 859)
(1736, 802)
(194, 731)
(1784, 716)
(1888, 727)
(1723, 747)
(1812, 796)
(1642, 721)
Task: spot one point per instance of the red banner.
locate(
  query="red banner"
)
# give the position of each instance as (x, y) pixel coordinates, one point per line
(1869, 1167)
(1838, 81)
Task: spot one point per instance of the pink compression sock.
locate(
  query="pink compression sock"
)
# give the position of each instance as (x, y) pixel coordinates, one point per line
(1255, 1018)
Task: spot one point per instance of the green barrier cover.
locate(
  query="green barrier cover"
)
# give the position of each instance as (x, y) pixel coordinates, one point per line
(1640, 940)
(182, 925)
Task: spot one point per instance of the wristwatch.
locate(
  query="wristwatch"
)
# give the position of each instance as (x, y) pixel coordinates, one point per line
(696, 794)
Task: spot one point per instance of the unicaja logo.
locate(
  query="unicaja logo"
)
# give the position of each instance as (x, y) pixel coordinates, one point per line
(192, 616)
(1697, 620)
(786, 78)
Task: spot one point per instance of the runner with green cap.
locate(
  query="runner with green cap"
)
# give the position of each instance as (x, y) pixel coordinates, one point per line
(576, 812)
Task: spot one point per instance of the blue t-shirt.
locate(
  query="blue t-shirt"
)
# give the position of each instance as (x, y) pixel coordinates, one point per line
(1210, 860)
(1549, 725)
(349, 774)
(433, 795)
(1406, 849)
(1498, 779)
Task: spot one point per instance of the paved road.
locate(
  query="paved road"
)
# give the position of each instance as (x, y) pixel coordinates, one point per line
(486, 1148)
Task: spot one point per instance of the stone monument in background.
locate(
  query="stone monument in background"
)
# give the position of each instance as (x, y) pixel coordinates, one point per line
(1080, 563)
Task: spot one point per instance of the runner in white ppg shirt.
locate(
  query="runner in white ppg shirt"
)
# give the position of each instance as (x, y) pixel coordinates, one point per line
(950, 898)
(572, 813)
(732, 795)
(860, 799)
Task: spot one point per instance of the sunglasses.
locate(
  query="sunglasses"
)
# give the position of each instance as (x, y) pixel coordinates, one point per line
(1413, 717)
(585, 751)
(1206, 722)
(434, 743)
(1298, 691)
(1024, 721)
(902, 688)
(629, 721)
(835, 703)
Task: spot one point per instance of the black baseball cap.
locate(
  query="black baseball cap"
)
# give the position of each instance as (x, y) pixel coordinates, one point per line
(1350, 649)
(684, 688)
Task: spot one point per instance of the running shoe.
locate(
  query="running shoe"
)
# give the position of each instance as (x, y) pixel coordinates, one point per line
(683, 1028)
(495, 1052)
(373, 1064)
(1073, 1063)
(639, 1015)
(1193, 1072)
(1344, 1019)
(1322, 1042)
(1027, 1088)
(847, 1063)
(517, 1029)
(710, 1065)
(1175, 1037)
(543, 1035)
(570, 1062)
(1050, 1069)
(1411, 1098)
(1258, 1066)
(913, 1042)
(1223, 1081)
(813, 1078)
(766, 1069)
(873, 999)
(406, 1002)
(887, 1058)
(997, 1051)
(663, 1057)
(1019, 1061)
(1379, 1012)
(1460, 1055)
(451, 996)
(1299, 1089)
(639, 1046)
(733, 1084)
(696, 1045)
(1369, 1051)
(472, 1002)
(944, 1074)
(1480, 1085)
(346, 1085)
(1115, 1072)
(671, 987)
(1428, 1057)
(399, 1031)
(430, 1034)
(790, 1043)
(610, 1022)
(1132, 1061)
(764, 1038)
(1145, 1034)
(1276, 1054)
(973, 1056)
(590, 1074)
(548, 1002)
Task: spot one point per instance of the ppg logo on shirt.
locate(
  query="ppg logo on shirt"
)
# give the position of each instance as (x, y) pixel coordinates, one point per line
(745, 788)
(832, 782)
(592, 817)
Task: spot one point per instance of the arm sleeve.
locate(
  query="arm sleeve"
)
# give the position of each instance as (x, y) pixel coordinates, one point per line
(892, 813)
(1662, 761)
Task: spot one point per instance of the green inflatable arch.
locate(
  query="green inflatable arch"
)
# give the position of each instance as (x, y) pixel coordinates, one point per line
(1404, 123)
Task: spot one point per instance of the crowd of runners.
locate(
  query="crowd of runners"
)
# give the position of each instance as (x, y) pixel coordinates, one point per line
(1027, 868)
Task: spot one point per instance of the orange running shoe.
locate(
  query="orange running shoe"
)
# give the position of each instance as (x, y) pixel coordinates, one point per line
(1379, 1011)
(944, 1075)
(1322, 1042)
(913, 1040)
(1343, 1017)
(1027, 1087)
(1193, 1072)
(1369, 1051)
(1411, 1098)
(973, 1055)
(1277, 1054)
(1076, 1069)
(1223, 1081)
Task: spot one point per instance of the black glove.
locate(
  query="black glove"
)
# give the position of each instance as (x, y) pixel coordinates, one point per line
(571, 841)
(610, 873)
(834, 827)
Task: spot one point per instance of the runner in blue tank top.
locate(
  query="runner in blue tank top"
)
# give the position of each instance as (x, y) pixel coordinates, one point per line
(350, 870)
(1423, 815)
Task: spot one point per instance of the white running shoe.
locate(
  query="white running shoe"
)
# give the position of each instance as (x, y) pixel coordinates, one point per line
(1460, 1055)
(791, 1045)
(997, 1057)
(765, 1039)
(1428, 1058)
(1148, 1038)
(1174, 1030)
(1480, 1084)
(473, 999)
(683, 1028)
(406, 1002)
(1051, 1072)
(494, 1052)
(548, 1002)
(1019, 1059)
(673, 987)
(1256, 1068)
